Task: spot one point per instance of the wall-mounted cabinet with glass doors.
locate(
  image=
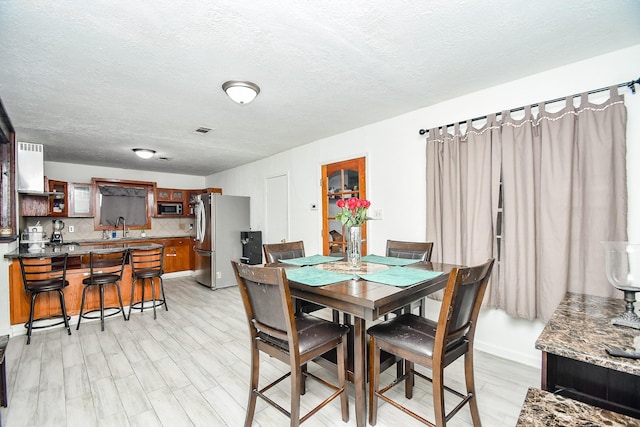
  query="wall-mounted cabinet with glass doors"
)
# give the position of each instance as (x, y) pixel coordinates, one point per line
(341, 180)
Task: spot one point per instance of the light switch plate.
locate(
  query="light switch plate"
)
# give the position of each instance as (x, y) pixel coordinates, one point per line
(71, 229)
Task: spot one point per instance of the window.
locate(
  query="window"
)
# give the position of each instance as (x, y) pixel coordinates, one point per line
(132, 200)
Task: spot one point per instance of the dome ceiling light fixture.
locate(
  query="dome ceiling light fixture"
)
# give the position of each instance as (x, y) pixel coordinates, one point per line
(242, 92)
(144, 153)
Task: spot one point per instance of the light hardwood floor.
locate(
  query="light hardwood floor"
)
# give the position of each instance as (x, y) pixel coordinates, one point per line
(190, 367)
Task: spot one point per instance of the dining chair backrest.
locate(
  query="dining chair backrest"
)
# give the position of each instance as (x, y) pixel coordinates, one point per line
(409, 250)
(107, 265)
(44, 271)
(461, 305)
(273, 252)
(267, 302)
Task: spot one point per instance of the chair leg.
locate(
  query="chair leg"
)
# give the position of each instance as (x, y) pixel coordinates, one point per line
(253, 386)
(102, 307)
(84, 291)
(63, 307)
(133, 289)
(296, 372)
(30, 324)
(374, 380)
(153, 296)
(120, 301)
(410, 380)
(438, 395)
(471, 388)
(163, 297)
(342, 378)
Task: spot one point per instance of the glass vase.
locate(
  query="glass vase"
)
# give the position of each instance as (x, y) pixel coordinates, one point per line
(354, 247)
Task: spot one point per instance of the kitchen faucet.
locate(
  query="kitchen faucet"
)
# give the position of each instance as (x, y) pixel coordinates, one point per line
(124, 225)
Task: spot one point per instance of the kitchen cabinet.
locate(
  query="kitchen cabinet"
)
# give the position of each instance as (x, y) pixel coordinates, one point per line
(193, 194)
(58, 205)
(342, 180)
(7, 177)
(170, 195)
(177, 254)
(80, 200)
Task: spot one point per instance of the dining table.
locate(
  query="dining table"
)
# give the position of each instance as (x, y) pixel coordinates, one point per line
(380, 286)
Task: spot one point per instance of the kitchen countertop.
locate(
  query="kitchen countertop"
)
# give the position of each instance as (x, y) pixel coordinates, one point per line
(581, 328)
(77, 250)
(544, 409)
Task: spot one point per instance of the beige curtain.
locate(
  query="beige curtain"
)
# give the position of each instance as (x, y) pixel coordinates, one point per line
(564, 191)
(574, 162)
(463, 179)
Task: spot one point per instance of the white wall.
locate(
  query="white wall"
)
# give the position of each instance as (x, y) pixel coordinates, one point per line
(83, 173)
(396, 179)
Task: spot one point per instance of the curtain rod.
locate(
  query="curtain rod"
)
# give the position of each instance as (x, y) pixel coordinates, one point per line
(630, 85)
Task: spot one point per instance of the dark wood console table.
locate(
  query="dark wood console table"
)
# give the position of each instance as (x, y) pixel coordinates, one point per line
(575, 363)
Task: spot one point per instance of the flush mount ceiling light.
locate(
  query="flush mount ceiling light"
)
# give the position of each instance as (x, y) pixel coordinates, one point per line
(240, 91)
(144, 153)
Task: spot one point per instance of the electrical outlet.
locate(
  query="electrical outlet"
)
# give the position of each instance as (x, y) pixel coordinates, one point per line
(190, 227)
(71, 229)
(218, 274)
(378, 214)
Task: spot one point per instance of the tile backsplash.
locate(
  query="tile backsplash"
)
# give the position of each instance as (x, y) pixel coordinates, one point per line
(83, 228)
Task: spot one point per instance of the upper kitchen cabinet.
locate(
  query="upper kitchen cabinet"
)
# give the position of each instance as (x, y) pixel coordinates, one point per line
(80, 200)
(170, 195)
(58, 205)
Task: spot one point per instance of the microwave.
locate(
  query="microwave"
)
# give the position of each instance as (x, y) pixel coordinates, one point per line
(169, 208)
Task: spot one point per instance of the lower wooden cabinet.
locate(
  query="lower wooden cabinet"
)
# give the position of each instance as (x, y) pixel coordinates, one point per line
(177, 254)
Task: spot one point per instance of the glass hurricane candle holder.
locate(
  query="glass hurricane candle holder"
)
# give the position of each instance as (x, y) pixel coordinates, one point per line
(622, 266)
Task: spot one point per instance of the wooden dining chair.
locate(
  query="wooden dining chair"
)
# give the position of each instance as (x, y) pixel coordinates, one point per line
(411, 250)
(434, 345)
(292, 338)
(274, 252)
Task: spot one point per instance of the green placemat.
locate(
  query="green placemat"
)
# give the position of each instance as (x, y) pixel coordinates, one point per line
(398, 276)
(377, 259)
(310, 260)
(315, 277)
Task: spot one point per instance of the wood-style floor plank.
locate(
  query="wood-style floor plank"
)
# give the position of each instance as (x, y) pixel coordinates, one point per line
(190, 367)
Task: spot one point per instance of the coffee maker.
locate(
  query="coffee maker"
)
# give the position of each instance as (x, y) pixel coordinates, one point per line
(56, 235)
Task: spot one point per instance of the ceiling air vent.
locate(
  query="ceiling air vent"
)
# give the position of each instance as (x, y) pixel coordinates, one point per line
(203, 130)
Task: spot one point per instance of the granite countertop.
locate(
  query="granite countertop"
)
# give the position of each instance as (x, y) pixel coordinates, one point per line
(134, 239)
(76, 250)
(581, 328)
(545, 409)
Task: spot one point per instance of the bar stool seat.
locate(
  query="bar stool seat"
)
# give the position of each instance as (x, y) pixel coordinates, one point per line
(42, 274)
(105, 269)
(147, 266)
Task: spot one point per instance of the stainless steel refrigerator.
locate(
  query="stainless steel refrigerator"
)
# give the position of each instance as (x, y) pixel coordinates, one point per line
(219, 221)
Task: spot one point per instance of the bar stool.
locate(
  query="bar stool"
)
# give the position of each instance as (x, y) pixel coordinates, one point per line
(104, 269)
(43, 274)
(147, 264)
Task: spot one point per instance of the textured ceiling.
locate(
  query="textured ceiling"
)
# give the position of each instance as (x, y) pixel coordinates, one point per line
(93, 79)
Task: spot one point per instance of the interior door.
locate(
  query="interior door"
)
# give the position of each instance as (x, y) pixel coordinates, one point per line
(341, 180)
(277, 208)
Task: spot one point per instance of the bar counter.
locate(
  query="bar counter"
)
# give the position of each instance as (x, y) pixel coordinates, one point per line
(77, 270)
(79, 250)
(575, 363)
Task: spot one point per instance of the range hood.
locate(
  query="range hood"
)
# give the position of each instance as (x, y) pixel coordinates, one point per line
(31, 170)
